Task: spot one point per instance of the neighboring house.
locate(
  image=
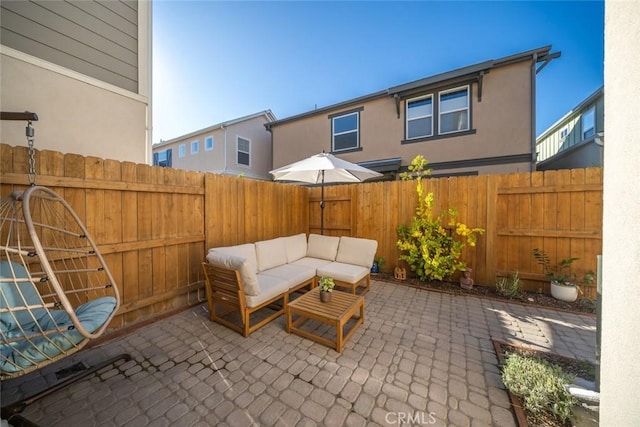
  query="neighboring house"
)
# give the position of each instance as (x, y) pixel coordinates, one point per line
(84, 67)
(577, 139)
(479, 119)
(236, 147)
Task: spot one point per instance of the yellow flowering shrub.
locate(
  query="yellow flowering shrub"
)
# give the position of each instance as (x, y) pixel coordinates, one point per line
(430, 249)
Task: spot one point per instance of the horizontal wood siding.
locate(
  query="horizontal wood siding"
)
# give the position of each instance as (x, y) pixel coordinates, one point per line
(98, 39)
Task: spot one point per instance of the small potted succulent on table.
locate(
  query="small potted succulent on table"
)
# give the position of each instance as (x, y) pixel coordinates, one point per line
(326, 286)
(564, 285)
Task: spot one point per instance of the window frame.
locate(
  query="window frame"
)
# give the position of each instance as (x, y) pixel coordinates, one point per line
(407, 119)
(467, 109)
(208, 138)
(334, 117)
(182, 150)
(196, 143)
(238, 138)
(591, 110)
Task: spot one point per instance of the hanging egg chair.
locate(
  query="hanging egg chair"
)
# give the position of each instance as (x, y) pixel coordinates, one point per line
(56, 291)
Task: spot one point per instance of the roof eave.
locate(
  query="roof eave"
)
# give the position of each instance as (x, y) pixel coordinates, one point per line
(267, 113)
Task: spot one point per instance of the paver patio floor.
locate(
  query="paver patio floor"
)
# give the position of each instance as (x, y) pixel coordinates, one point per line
(420, 358)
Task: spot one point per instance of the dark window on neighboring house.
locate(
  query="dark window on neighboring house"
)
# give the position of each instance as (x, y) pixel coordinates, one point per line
(589, 123)
(345, 132)
(243, 150)
(162, 158)
(454, 110)
(563, 134)
(420, 117)
(451, 113)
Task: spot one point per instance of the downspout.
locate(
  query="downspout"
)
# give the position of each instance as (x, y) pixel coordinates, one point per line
(533, 112)
(224, 169)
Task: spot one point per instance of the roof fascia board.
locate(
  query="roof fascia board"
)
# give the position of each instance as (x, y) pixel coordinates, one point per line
(577, 109)
(333, 107)
(468, 71)
(267, 113)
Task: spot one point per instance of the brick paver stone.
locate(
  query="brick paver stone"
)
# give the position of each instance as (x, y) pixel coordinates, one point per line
(418, 352)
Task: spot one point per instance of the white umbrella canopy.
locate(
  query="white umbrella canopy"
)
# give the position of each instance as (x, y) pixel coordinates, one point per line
(324, 165)
(321, 168)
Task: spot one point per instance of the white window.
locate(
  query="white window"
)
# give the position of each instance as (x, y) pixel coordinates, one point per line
(194, 146)
(454, 110)
(563, 134)
(182, 150)
(420, 117)
(243, 151)
(589, 123)
(346, 132)
(208, 143)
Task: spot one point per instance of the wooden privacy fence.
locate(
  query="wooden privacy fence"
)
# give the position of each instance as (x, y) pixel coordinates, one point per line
(154, 225)
(559, 212)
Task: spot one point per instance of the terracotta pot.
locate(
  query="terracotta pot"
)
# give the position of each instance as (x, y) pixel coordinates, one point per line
(564, 292)
(325, 296)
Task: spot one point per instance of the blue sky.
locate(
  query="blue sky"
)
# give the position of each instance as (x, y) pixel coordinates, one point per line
(218, 60)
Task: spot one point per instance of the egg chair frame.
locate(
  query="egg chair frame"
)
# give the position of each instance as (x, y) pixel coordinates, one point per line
(56, 290)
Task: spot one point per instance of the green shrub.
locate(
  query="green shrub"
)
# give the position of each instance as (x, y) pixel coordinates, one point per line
(540, 385)
(427, 246)
(509, 286)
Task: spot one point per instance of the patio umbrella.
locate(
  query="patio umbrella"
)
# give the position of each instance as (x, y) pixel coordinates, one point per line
(321, 168)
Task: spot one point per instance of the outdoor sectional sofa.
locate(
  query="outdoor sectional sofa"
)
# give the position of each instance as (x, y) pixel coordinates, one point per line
(245, 278)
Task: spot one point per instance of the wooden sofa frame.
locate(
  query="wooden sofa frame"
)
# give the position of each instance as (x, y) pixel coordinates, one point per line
(364, 283)
(225, 290)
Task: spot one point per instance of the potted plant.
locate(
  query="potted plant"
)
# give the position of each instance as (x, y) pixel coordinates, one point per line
(326, 286)
(377, 265)
(564, 285)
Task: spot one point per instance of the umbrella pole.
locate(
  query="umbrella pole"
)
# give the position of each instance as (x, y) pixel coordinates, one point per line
(322, 205)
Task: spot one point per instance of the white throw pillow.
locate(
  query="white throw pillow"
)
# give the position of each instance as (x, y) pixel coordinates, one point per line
(247, 251)
(249, 279)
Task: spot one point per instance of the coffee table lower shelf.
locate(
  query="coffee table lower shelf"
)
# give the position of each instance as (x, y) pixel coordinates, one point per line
(342, 307)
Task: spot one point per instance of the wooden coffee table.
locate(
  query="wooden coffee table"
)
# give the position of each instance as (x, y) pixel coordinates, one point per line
(342, 307)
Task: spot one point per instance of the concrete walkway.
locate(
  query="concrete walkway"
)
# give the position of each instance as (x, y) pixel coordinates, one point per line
(420, 358)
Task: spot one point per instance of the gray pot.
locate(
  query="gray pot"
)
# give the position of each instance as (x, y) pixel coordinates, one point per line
(325, 296)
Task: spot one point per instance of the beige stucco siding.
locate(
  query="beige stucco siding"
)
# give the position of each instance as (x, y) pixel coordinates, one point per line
(223, 157)
(501, 121)
(75, 116)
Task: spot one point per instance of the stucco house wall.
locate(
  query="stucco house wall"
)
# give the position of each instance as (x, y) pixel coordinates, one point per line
(620, 354)
(222, 158)
(500, 138)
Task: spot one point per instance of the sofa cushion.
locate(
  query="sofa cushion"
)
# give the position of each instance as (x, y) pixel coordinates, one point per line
(296, 247)
(271, 287)
(247, 273)
(311, 262)
(247, 251)
(271, 253)
(344, 272)
(353, 250)
(323, 247)
(291, 274)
